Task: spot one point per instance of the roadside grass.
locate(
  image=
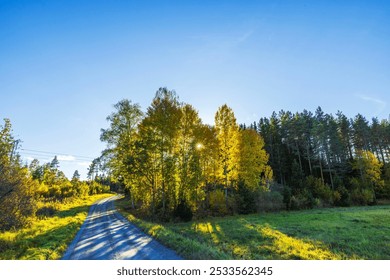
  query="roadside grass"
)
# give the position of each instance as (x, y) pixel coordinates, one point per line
(48, 237)
(337, 233)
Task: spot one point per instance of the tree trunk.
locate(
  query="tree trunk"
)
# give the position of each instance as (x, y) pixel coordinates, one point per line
(308, 157)
(322, 174)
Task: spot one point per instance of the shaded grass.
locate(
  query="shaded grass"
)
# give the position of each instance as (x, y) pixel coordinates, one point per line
(48, 237)
(338, 233)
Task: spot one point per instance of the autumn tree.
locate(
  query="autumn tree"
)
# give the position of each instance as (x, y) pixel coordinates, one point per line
(369, 169)
(228, 147)
(17, 197)
(188, 152)
(121, 137)
(254, 170)
(207, 148)
(158, 137)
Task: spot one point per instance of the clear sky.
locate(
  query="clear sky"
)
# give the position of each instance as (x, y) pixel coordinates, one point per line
(63, 64)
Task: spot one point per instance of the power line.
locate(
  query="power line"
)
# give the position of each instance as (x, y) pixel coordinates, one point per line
(49, 158)
(46, 153)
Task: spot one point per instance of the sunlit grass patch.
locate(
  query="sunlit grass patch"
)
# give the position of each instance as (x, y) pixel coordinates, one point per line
(48, 237)
(288, 247)
(208, 228)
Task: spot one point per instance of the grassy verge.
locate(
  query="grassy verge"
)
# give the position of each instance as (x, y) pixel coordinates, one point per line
(339, 233)
(47, 238)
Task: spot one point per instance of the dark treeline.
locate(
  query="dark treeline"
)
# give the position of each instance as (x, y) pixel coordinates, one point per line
(318, 158)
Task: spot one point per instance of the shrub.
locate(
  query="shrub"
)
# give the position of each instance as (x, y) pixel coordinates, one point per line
(304, 201)
(19, 205)
(218, 202)
(42, 190)
(360, 193)
(183, 211)
(245, 199)
(46, 211)
(67, 190)
(341, 197)
(82, 189)
(269, 201)
(55, 191)
(363, 196)
(287, 197)
(319, 189)
(97, 188)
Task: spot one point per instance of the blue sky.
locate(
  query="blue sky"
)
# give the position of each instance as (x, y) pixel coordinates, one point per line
(63, 64)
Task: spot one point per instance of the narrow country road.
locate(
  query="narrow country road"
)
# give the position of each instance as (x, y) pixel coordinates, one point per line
(107, 235)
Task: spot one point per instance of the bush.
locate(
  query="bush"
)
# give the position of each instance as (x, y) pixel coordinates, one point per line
(97, 188)
(360, 194)
(82, 189)
(296, 203)
(304, 201)
(46, 211)
(218, 202)
(269, 201)
(341, 197)
(67, 190)
(363, 196)
(42, 190)
(245, 199)
(183, 211)
(319, 189)
(55, 191)
(287, 197)
(19, 205)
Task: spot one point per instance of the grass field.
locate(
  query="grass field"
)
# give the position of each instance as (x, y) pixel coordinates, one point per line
(47, 238)
(338, 233)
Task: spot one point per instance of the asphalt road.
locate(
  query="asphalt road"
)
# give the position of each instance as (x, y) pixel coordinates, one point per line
(107, 235)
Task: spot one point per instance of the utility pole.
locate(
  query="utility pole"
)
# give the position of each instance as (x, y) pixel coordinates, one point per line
(14, 148)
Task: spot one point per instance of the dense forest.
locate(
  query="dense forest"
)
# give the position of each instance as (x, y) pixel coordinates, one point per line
(30, 192)
(321, 159)
(172, 166)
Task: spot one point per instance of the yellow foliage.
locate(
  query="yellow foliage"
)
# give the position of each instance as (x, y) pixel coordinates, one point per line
(47, 238)
(155, 229)
(253, 168)
(218, 202)
(227, 133)
(369, 167)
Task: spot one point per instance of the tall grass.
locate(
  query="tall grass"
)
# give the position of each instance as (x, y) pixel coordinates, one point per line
(49, 235)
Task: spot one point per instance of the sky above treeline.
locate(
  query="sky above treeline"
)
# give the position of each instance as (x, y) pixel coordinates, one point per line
(63, 64)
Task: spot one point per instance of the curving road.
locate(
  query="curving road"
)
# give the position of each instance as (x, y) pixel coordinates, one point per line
(107, 235)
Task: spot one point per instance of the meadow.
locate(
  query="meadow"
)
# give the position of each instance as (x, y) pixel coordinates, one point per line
(49, 235)
(319, 234)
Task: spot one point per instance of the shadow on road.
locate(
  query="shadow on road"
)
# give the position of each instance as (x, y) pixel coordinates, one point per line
(106, 235)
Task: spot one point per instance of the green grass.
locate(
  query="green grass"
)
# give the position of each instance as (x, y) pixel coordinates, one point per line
(47, 238)
(338, 233)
